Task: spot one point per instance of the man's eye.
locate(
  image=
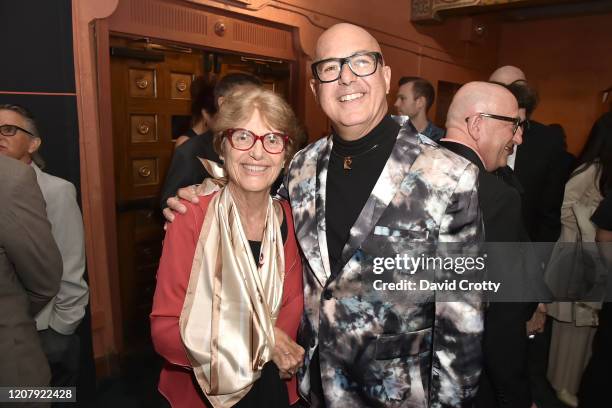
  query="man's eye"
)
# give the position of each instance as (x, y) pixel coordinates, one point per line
(362, 62)
(329, 68)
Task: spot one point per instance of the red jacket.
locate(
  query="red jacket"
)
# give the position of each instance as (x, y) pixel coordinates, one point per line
(175, 381)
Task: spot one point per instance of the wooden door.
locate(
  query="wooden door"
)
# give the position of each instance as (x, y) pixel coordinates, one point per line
(147, 94)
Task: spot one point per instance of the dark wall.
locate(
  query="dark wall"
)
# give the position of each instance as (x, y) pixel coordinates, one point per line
(37, 59)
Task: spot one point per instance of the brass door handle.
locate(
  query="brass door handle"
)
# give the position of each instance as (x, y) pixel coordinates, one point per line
(142, 83)
(181, 85)
(144, 171)
(143, 128)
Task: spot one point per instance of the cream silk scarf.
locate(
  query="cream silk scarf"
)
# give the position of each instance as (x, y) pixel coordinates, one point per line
(231, 306)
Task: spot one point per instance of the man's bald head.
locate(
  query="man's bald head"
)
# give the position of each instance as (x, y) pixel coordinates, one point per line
(507, 75)
(477, 97)
(481, 116)
(355, 104)
(347, 34)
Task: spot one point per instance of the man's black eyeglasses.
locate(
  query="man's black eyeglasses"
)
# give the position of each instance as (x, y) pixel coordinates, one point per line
(10, 130)
(361, 64)
(516, 122)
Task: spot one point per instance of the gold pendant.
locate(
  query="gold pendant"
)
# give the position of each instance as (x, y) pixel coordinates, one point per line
(347, 162)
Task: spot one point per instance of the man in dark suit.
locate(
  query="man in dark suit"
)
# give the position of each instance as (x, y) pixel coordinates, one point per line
(483, 126)
(539, 165)
(30, 272)
(186, 168)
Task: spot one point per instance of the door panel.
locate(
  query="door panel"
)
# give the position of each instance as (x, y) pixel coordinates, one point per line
(145, 95)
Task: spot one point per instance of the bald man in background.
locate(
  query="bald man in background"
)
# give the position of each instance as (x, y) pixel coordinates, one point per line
(484, 126)
(539, 165)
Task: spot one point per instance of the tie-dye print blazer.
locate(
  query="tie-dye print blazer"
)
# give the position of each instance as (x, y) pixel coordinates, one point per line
(389, 348)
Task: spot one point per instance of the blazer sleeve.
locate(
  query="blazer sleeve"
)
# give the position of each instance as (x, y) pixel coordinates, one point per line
(172, 282)
(67, 226)
(30, 245)
(458, 324)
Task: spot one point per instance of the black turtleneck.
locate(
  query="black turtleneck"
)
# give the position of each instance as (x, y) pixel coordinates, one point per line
(348, 190)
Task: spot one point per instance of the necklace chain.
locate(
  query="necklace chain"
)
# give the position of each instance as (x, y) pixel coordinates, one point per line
(348, 160)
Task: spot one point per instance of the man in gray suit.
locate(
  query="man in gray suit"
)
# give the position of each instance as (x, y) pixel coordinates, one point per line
(60, 318)
(30, 272)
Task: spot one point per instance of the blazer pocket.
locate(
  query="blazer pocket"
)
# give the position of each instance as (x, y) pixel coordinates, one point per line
(415, 234)
(390, 346)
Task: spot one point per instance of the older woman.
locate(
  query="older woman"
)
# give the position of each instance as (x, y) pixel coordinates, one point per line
(229, 292)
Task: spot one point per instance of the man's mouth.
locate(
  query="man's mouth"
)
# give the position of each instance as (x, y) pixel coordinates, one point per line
(351, 97)
(509, 149)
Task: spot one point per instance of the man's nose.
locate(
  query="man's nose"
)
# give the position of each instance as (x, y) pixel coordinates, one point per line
(346, 75)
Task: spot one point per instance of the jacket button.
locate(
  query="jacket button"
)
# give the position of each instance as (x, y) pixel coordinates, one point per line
(327, 294)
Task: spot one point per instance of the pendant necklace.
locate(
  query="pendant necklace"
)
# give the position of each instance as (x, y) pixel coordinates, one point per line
(348, 160)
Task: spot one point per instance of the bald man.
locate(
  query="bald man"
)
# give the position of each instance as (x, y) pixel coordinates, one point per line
(483, 126)
(365, 193)
(539, 165)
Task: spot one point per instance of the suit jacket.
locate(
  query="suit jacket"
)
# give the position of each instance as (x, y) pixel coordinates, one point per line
(382, 348)
(505, 381)
(66, 310)
(541, 167)
(30, 271)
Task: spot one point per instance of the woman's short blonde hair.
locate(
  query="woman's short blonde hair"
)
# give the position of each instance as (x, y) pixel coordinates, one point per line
(238, 107)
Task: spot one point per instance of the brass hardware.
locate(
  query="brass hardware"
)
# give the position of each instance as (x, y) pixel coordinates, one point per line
(144, 128)
(181, 85)
(144, 171)
(142, 83)
(220, 28)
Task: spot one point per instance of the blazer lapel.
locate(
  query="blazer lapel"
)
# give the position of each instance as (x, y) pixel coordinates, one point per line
(404, 153)
(306, 180)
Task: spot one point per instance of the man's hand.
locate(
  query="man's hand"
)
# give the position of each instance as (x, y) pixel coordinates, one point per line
(287, 354)
(189, 193)
(537, 321)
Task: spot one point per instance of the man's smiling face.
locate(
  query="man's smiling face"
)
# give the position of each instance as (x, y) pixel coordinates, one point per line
(355, 105)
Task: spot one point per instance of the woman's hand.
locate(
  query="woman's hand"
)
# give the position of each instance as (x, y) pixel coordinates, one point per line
(287, 354)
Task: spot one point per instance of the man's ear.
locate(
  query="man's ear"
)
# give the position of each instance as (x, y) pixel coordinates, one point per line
(313, 88)
(387, 75)
(34, 144)
(421, 102)
(474, 126)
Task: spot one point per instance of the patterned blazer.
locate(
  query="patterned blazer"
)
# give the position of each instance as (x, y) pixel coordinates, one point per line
(389, 348)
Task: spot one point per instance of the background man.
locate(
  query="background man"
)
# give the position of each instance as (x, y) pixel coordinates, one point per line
(60, 318)
(484, 125)
(30, 270)
(539, 166)
(414, 98)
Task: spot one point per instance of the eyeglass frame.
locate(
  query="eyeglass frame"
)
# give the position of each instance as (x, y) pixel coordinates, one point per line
(16, 127)
(227, 133)
(346, 61)
(517, 122)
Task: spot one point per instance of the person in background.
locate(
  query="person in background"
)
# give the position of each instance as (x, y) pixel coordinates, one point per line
(186, 167)
(30, 268)
(571, 338)
(596, 382)
(59, 319)
(229, 295)
(415, 96)
(484, 126)
(203, 108)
